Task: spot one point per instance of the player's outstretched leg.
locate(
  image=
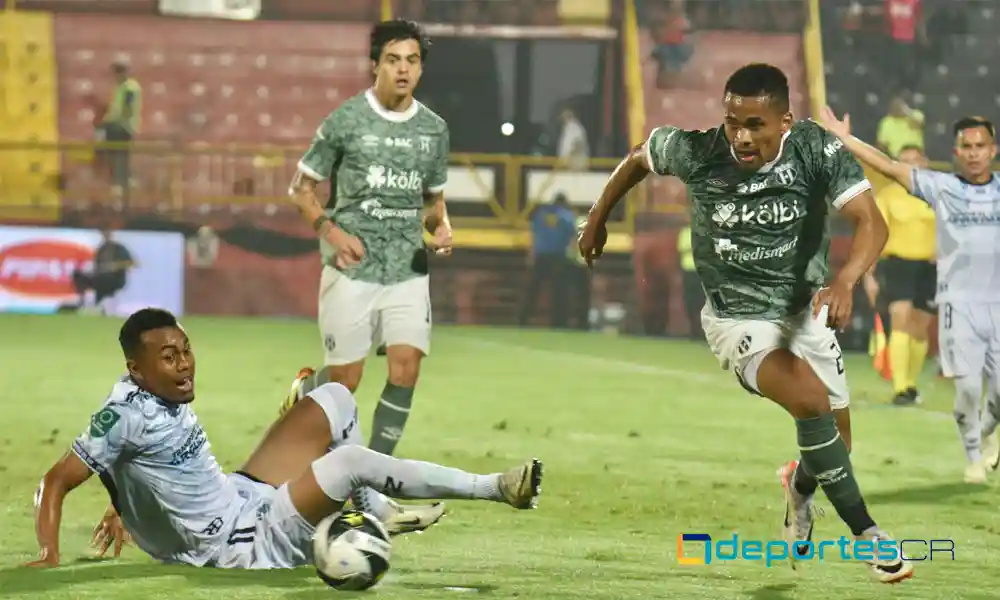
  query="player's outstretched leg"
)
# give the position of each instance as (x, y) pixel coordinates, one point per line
(325, 419)
(790, 382)
(968, 404)
(323, 489)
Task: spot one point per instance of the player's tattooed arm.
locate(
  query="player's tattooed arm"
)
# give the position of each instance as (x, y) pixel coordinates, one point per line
(349, 248)
(303, 193)
(866, 153)
(64, 476)
(437, 222)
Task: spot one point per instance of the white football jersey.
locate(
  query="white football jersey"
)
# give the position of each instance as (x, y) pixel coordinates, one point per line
(156, 463)
(968, 234)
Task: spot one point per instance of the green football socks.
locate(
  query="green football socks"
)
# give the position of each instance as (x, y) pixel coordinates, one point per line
(825, 457)
(390, 418)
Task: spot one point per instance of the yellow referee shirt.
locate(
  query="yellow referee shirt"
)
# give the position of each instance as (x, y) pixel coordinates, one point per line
(911, 224)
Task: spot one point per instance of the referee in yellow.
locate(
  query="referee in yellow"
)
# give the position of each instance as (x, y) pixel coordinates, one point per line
(905, 280)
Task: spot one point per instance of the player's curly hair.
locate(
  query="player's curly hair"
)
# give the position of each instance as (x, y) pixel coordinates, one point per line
(760, 79)
(395, 31)
(138, 323)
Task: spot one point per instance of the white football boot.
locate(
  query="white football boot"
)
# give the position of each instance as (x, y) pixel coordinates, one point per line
(886, 571)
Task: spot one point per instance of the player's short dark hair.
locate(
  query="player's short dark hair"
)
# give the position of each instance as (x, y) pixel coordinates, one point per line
(138, 323)
(395, 31)
(760, 79)
(973, 123)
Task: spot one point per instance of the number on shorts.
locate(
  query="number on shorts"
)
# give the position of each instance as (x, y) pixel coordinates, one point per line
(947, 315)
(840, 358)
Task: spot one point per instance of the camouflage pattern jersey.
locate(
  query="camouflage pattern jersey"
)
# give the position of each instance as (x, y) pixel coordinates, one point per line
(760, 239)
(380, 163)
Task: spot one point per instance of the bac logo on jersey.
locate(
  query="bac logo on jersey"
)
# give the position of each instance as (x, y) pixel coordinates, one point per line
(398, 142)
(380, 177)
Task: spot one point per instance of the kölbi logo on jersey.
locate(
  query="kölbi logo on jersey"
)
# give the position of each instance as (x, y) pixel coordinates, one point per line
(776, 212)
(380, 177)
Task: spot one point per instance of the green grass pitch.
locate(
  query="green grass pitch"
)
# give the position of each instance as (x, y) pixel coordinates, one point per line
(650, 442)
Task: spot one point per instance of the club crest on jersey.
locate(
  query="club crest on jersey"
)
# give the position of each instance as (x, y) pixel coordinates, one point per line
(785, 174)
(425, 143)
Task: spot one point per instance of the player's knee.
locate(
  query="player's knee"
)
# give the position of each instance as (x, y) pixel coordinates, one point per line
(339, 406)
(341, 470)
(347, 375)
(404, 365)
(968, 391)
(792, 383)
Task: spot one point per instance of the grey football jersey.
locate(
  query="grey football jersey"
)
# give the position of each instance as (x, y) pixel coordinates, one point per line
(156, 463)
(968, 234)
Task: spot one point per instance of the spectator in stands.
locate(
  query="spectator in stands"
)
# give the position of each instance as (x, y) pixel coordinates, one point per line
(902, 127)
(553, 228)
(694, 294)
(906, 29)
(673, 46)
(120, 124)
(573, 149)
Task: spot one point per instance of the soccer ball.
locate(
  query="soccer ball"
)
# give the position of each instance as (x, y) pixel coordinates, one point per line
(351, 550)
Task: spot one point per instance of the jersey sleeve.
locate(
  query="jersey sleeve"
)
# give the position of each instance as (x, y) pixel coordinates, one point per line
(929, 185)
(668, 151)
(840, 173)
(326, 148)
(439, 174)
(112, 431)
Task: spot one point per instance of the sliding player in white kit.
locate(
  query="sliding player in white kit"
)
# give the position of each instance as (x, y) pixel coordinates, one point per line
(967, 205)
(170, 494)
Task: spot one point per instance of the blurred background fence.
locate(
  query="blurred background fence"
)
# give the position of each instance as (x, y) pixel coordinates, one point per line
(541, 96)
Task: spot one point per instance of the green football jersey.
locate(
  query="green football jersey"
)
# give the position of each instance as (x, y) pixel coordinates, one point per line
(381, 164)
(760, 239)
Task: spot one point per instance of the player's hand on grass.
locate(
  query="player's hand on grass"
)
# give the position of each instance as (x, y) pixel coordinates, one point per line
(592, 238)
(110, 531)
(838, 297)
(829, 121)
(349, 249)
(442, 242)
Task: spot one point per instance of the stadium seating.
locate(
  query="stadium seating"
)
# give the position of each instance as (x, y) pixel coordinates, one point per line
(958, 82)
(214, 83)
(27, 115)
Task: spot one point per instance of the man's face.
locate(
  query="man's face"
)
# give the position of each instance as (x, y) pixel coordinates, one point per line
(754, 126)
(165, 365)
(896, 107)
(975, 150)
(399, 67)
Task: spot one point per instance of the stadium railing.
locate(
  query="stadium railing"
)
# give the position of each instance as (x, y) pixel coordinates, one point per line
(486, 190)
